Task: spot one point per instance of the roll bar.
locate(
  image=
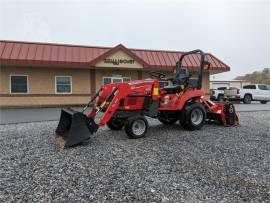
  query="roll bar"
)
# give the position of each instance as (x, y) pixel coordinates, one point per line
(202, 62)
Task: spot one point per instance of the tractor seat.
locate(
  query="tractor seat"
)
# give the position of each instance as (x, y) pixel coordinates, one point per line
(172, 89)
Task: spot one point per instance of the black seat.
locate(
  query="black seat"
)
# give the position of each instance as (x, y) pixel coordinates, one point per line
(172, 89)
(182, 77)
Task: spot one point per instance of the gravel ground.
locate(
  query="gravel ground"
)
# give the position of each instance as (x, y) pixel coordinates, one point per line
(215, 164)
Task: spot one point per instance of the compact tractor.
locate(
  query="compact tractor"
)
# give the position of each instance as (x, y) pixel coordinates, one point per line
(127, 104)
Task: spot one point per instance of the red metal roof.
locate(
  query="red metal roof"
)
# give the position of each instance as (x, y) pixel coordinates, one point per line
(63, 55)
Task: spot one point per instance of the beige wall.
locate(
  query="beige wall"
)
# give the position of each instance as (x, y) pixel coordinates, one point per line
(43, 101)
(205, 82)
(42, 80)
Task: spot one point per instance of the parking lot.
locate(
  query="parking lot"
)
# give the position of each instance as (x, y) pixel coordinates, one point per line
(215, 164)
(51, 114)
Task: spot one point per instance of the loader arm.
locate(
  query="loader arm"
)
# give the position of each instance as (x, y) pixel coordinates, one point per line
(111, 103)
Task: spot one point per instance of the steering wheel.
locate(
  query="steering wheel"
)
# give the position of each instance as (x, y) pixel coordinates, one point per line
(159, 75)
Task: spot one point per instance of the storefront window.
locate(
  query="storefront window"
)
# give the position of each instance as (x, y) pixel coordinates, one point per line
(126, 79)
(19, 84)
(63, 84)
(108, 80)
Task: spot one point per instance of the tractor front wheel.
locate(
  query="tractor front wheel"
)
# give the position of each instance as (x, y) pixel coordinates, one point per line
(193, 117)
(115, 124)
(136, 127)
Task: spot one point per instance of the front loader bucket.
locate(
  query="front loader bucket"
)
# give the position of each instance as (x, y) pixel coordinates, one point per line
(74, 128)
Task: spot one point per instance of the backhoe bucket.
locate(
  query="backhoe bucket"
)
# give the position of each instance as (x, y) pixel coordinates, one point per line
(74, 128)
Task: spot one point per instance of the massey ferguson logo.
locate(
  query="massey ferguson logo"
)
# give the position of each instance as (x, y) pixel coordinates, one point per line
(119, 61)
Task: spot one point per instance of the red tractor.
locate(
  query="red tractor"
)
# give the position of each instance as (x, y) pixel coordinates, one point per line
(127, 104)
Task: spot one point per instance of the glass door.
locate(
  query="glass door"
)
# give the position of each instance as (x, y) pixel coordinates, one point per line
(114, 80)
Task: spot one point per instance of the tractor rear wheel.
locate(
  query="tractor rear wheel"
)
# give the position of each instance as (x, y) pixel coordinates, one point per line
(193, 117)
(136, 127)
(115, 124)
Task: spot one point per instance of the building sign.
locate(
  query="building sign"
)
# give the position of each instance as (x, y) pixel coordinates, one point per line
(119, 61)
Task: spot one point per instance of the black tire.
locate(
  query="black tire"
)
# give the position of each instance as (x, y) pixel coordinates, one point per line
(247, 99)
(263, 102)
(136, 127)
(193, 117)
(115, 124)
(220, 97)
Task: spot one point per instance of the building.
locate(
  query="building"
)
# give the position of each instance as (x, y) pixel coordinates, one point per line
(214, 84)
(44, 74)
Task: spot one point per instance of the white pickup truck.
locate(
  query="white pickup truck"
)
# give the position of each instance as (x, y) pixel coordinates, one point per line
(231, 93)
(256, 92)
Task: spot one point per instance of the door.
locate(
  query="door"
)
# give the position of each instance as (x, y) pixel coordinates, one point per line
(268, 92)
(264, 92)
(253, 91)
(114, 80)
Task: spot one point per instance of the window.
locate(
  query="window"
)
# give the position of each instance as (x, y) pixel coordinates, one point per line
(163, 84)
(63, 84)
(262, 87)
(19, 84)
(221, 88)
(126, 79)
(108, 80)
(249, 87)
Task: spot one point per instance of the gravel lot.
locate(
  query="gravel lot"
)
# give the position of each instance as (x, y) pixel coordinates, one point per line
(170, 164)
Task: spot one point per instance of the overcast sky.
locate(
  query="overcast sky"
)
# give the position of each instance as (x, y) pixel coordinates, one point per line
(236, 31)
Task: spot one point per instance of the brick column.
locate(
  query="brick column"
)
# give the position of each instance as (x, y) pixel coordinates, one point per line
(139, 74)
(92, 73)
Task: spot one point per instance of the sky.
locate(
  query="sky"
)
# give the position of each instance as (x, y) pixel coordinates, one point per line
(236, 31)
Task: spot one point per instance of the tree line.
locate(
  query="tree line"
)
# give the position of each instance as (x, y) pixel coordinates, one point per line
(260, 77)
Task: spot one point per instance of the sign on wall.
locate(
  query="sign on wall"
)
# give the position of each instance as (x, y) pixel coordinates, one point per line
(119, 59)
